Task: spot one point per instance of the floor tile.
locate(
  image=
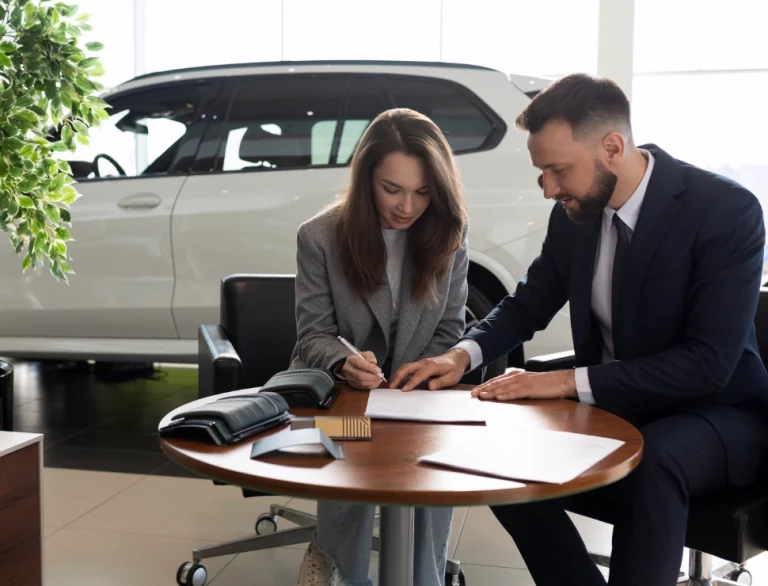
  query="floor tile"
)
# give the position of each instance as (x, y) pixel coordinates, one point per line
(275, 567)
(180, 507)
(491, 576)
(484, 542)
(97, 558)
(104, 460)
(68, 494)
(459, 518)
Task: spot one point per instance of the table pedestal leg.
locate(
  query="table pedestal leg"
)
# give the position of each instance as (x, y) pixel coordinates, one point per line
(396, 553)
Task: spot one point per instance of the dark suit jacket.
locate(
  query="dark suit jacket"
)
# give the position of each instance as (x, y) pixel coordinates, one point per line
(684, 333)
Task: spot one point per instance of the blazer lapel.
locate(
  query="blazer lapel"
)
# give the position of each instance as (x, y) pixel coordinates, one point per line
(380, 303)
(656, 218)
(582, 273)
(409, 314)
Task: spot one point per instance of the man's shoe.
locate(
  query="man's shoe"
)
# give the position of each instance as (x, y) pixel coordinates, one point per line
(317, 570)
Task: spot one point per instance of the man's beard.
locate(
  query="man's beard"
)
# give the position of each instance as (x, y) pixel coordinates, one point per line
(592, 204)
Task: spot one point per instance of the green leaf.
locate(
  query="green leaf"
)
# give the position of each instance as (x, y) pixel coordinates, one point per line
(53, 213)
(26, 263)
(8, 46)
(66, 216)
(83, 140)
(66, 267)
(61, 248)
(64, 166)
(88, 62)
(27, 184)
(16, 16)
(13, 143)
(59, 146)
(25, 201)
(63, 234)
(5, 60)
(66, 135)
(80, 127)
(70, 195)
(94, 46)
(27, 115)
(30, 12)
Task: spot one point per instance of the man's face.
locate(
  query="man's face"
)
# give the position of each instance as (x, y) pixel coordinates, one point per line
(571, 171)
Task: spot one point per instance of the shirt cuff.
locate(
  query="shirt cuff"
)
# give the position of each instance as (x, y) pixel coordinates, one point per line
(475, 352)
(583, 388)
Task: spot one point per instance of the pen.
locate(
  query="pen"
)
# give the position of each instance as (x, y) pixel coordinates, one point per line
(357, 353)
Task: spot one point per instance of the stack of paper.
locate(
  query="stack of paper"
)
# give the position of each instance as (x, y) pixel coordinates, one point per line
(437, 406)
(533, 455)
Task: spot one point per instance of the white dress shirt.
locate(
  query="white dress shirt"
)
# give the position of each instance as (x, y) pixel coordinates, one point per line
(601, 283)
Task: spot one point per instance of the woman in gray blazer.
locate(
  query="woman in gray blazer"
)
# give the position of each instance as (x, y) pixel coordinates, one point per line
(385, 267)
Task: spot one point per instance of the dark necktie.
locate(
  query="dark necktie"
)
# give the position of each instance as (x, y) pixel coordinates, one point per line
(623, 238)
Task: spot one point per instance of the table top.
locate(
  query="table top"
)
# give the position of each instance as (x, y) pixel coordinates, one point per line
(12, 441)
(385, 470)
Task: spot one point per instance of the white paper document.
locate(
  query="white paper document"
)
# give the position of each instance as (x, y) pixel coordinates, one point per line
(529, 455)
(436, 406)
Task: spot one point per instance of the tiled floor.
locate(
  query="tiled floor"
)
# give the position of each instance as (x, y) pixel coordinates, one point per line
(117, 512)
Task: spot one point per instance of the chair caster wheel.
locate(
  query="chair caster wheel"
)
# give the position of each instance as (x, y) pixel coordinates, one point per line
(452, 579)
(266, 523)
(740, 576)
(191, 574)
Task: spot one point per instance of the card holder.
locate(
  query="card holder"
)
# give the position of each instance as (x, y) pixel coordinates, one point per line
(304, 387)
(229, 419)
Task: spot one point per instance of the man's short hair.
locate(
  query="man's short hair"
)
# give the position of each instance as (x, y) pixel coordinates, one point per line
(585, 102)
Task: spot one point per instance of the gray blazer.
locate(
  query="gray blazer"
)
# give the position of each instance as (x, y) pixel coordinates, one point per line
(326, 307)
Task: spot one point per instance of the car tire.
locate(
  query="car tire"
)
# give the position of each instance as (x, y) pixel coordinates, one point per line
(477, 307)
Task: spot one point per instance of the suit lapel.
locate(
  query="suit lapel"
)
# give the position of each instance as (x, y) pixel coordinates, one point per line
(409, 314)
(656, 218)
(582, 273)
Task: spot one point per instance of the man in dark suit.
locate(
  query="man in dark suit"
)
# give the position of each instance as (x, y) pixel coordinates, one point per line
(661, 263)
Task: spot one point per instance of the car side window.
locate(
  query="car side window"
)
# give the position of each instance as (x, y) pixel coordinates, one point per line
(143, 135)
(282, 123)
(464, 124)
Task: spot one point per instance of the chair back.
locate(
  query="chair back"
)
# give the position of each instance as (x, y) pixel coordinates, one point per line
(761, 324)
(258, 315)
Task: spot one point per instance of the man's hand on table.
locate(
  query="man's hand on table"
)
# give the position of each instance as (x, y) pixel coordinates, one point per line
(445, 371)
(519, 384)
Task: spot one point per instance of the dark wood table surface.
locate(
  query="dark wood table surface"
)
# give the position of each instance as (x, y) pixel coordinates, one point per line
(385, 471)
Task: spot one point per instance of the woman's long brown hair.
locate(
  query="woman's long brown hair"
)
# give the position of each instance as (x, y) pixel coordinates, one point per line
(433, 238)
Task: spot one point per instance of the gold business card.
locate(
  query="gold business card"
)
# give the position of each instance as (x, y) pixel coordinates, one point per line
(337, 428)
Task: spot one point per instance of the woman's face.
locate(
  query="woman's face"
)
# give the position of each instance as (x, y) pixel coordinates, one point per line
(400, 189)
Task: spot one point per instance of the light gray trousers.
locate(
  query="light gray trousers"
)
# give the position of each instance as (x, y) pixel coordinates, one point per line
(345, 534)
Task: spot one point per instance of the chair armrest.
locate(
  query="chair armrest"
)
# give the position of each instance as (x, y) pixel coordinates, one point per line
(550, 362)
(219, 365)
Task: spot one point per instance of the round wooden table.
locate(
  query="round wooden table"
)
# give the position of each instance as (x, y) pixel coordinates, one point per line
(385, 471)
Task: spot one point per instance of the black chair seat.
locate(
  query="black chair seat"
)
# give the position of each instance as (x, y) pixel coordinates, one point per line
(731, 525)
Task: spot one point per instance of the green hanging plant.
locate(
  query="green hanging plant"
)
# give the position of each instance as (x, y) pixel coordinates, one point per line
(46, 81)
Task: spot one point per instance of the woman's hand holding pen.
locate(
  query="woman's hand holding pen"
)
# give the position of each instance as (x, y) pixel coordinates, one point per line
(361, 371)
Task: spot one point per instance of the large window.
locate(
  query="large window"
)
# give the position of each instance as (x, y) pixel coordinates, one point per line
(700, 85)
(543, 37)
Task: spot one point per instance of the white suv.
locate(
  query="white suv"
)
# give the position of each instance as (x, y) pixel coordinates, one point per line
(204, 172)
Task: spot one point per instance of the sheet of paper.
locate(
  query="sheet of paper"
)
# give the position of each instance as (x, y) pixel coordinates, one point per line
(533, 455)
(437, 406)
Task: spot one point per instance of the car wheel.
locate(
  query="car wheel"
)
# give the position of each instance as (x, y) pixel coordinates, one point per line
(478, 306)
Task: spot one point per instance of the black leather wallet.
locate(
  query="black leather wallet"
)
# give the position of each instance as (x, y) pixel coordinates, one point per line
(304, 387)
(229, 419)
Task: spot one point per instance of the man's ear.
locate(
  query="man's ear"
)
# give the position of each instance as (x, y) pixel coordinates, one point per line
(614, 147)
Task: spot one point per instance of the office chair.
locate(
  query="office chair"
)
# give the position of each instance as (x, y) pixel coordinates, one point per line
(730, 525)
(255, 340)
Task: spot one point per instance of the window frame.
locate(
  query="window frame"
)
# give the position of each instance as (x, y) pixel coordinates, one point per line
(216, 133)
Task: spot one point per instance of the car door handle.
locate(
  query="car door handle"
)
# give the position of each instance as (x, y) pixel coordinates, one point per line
(140, 201)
